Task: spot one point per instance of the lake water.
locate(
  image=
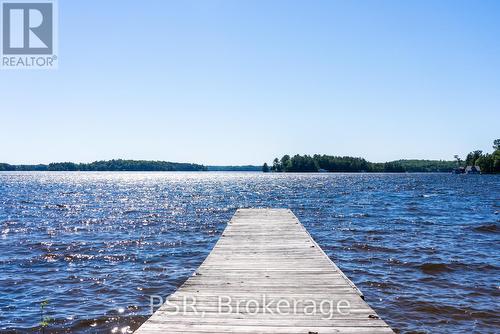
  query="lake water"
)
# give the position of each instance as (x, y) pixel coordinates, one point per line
(423, 248)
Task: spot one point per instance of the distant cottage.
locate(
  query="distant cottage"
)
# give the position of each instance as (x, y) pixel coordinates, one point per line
(472, 170)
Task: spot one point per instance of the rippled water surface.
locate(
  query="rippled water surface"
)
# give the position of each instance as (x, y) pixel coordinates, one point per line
(424, 248)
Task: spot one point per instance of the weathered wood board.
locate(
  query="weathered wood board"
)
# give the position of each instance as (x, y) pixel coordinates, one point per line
(266, 275)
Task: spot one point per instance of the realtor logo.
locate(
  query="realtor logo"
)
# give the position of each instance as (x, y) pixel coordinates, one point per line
(28, 34)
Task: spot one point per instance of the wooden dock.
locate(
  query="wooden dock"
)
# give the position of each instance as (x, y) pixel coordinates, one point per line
(266, 275)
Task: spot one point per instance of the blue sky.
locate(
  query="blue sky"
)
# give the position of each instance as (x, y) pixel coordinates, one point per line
(240, 82)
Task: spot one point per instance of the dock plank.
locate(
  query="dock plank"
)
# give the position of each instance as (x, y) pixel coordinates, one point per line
(266, 275)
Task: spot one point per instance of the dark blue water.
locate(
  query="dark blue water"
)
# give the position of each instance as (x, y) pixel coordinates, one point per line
(424, 248)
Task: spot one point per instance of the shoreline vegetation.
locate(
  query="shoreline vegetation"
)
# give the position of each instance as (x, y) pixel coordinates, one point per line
(109, 166)
(296, 163)
(488, 163)
(346, 164)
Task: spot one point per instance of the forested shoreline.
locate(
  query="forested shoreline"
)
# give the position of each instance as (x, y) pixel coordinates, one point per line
(488, 164)
(108, 166)
(346, 164)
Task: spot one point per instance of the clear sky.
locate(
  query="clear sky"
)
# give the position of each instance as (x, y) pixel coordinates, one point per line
(240, 82)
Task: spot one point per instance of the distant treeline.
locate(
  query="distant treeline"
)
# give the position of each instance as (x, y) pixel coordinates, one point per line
(489, 163)
(328, 163)
(110, 165)
(7, 167)
(245, 168)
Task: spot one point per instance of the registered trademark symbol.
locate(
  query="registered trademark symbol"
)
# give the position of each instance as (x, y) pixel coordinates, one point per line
(54, 57)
